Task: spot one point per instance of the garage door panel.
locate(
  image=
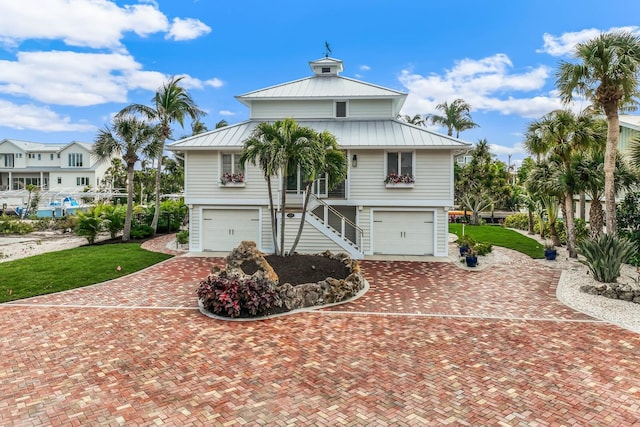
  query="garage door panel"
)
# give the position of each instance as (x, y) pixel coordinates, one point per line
(223, 230)
(403, 233)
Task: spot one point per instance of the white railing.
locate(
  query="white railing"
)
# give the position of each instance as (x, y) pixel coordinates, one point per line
(348, 231)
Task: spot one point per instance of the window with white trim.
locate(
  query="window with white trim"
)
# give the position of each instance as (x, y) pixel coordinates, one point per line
(82, 180)
(231, 169)
(399, 167)
(75, 160)
(341, 108)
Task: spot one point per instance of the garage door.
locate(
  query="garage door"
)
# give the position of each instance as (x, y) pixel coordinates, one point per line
(223, 230)
(403, 233)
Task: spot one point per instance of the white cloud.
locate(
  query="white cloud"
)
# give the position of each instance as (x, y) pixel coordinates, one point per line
(226, 113)
(187, 29)
(86, 23)
(483, 84)
(564, 44)
(37, 118)
(365, 68)
(81, 79)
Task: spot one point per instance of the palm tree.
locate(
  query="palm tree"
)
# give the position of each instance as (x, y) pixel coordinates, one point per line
(171, 104)
(282, 146)
(222, 123)
(198, 127)
(455, 116)
(608, 77)
(415, 120)
(544, 185)
(560, 136)
(330, 160)
(129, 137)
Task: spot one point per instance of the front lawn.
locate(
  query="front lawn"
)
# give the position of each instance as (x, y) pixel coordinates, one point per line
(72, 268)
(499, 236)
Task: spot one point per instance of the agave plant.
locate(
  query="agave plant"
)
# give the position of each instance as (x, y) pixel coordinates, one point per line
(605, 255)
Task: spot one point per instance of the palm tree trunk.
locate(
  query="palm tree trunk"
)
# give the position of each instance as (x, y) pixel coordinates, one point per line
(273, 216)
(596, 219)
(583, 205)
(613, 133)
(126, 232)
(569, 225)
(304, 215)
(283, 204)
(530, 218)
(156, 213)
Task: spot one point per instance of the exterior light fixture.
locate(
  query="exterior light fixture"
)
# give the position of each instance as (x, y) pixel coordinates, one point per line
(354, 161)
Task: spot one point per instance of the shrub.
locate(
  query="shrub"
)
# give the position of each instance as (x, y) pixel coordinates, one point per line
(519, 221)
(483, 248)
(89, 224)
(15, 227)
(605, 255)
(42, 224)
(114, 217)
(230, 295)
(141, 231)
(183, 237)
(68, 222)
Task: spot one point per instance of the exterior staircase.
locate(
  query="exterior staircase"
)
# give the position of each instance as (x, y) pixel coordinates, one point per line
(335, 226)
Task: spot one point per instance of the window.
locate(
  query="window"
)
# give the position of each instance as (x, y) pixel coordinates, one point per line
(232, 170)
(341, 109)
(326, 70)
(39, 156)
(31, 156)
(82, 180)
(400, 168)
(51, 156)
(8, 160)
(59, 180)
(58, 155)
(75, 160)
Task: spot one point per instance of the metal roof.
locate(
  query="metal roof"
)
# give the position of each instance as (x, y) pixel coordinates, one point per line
(319, 87)
(392, 134)
(29, 147)
(630, 120)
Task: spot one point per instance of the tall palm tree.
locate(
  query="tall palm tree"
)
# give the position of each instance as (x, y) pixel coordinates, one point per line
(171, 104)
(329, 159)
(455, 116)
(282, 146)
(560, 136)
(128, 137)
(608, 76)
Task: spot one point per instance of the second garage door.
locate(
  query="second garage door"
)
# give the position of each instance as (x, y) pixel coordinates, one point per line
(403, 233)
(223, 230)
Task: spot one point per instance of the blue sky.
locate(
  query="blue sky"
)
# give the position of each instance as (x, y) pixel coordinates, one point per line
(66, 66)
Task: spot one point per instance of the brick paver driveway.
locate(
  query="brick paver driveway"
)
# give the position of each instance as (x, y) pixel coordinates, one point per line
(429, 344)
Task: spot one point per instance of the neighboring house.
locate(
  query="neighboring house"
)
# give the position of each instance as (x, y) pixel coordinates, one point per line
(363, 216)
(66, 168)
(629, 129)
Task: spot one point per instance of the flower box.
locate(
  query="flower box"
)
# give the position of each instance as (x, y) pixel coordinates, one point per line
(232, 184)
(393, 180)
(399, 185)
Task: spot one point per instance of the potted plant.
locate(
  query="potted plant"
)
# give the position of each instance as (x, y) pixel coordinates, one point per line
(465, 242)
(471, 257)
(550, 252)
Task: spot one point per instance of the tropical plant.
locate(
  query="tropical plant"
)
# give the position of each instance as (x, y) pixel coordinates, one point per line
(182, 237)
(607, 75)
(90, 224)
(285, 147)
(543, 184)
(605, 255)
(329, 160)
(414, 120)
(128, 137)
(114, 217)
(229, 295)
(171, 104)
(560, 136)
(455, 116)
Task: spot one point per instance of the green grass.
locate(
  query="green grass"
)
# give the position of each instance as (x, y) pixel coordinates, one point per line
(499, 236)
(72, 268)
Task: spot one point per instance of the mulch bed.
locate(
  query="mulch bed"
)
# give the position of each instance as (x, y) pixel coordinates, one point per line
(298, 269)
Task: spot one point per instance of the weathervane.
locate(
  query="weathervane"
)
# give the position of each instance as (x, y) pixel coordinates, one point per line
(327, 50)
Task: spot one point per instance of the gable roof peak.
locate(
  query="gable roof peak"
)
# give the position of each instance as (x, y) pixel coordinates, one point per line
(326, 66)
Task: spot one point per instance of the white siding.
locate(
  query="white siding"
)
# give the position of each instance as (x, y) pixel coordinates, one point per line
(364, 222)
(370, 108)
(321, 109)
(433, 171)
(194, 229)
(441, 224)
(203, 179)
(312, 240)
